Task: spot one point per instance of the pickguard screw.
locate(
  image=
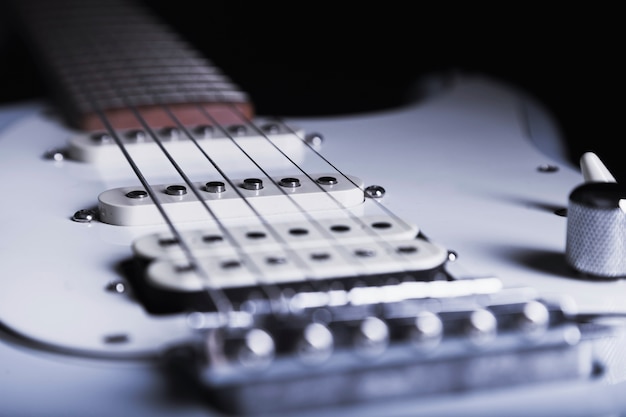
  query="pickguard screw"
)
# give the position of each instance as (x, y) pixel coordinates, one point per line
(547, 168)
(116, 287)
(374, 191)
(289, 182)
(314, 140)
(57, 155)
(84, 216)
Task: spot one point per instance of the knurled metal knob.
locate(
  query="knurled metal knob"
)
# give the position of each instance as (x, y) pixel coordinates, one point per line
(596, 229)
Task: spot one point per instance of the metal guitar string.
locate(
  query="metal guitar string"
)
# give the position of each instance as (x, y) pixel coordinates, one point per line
(301, 210)
(272, 293)
(218, 297)
(375, 236)
(311, 148)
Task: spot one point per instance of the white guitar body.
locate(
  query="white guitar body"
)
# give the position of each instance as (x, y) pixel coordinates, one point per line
(464, 166)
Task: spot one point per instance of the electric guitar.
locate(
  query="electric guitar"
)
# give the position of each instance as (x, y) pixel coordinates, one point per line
(166, 251)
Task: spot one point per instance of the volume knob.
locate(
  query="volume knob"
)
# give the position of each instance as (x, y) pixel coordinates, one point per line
(596, 229)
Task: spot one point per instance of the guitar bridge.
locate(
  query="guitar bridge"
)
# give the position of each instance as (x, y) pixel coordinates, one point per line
(330, 356)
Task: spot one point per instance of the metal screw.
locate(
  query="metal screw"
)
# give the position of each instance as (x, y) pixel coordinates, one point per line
(289, 182)
(547, 168)
(327, 180)
(136, 135)
(374, 191)
(170, 133)
(101, 137)
(138, 194)
(237, 130)
(215, 186)
(84, 216)
(116, 287)
(314, 140)
(252, 184)
(203, 131)
(271, 128)
(176, 190)
(55, 155)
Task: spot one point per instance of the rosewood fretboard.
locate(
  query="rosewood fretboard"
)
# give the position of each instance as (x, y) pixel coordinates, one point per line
(114, 58)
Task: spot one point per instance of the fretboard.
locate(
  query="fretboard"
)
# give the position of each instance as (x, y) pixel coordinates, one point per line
(114, 59)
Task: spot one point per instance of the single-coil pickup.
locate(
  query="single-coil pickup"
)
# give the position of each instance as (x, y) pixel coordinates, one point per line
(103, 147)
(133, 206)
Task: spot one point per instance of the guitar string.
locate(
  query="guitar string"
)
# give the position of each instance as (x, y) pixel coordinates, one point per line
(220, 300)
(186, 179)
(266, 285)
(378, 238)
(218, 297)
(301, 210)
(299, 207)
(344, 175)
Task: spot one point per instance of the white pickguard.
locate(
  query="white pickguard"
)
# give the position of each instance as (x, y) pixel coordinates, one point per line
(461, 165)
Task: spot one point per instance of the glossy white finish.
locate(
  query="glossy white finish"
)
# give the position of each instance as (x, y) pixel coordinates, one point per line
(459, 165)
(594, 170)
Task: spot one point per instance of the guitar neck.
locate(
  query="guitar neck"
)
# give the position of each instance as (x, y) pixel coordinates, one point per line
(114, 60)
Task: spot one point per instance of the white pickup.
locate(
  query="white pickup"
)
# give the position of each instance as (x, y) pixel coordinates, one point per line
(289, 252)
(101, 148)
(237, 198)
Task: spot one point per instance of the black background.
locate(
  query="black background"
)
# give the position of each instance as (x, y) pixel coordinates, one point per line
(305, 58)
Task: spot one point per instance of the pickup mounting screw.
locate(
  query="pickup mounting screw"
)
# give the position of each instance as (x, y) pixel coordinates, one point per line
(547, 168)
(374, 191)
(84, 216)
